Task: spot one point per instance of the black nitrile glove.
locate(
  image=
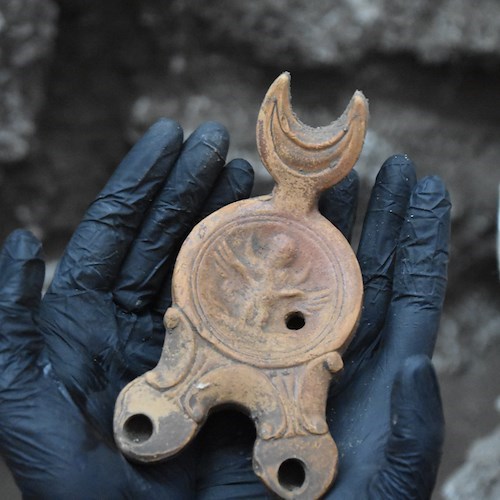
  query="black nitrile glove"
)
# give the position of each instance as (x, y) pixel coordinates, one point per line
(385, 413)
(64, 359)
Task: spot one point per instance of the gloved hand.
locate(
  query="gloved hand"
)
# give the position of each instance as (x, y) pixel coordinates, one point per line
(385, 413)
(64, 359)
(100, 325)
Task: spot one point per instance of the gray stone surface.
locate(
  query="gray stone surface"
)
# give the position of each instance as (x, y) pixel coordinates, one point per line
(325, 33)
(27, 31)
(8, 488)
(479, 477)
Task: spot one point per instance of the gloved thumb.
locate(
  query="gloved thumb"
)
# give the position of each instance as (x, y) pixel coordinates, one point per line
(21, 278)
(416, 437)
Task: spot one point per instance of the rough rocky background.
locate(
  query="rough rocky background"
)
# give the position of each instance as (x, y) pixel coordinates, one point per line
(81, 79)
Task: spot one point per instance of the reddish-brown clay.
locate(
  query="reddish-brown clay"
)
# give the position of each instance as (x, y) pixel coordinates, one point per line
(266, 294)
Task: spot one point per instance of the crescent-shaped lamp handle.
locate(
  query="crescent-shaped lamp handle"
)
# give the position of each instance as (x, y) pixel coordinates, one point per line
(304, 160)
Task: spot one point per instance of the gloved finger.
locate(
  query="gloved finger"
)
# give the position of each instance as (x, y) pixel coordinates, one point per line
(234, 183)
(420, 273)
(21, 279)
(339, 203)
(415, 442)
(377, 247)
(96, 250)
(171, 216)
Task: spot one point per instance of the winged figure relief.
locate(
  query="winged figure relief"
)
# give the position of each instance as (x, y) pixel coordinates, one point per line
(258, 278)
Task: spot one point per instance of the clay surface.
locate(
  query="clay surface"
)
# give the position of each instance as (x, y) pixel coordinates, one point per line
(266, 295)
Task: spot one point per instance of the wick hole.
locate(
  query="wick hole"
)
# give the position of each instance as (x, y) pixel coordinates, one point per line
(138, 428)
(291, 474)
(295, 320)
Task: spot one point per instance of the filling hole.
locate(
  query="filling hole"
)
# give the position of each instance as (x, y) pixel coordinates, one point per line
(291, 474)
(295, 320)
(138, 428)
